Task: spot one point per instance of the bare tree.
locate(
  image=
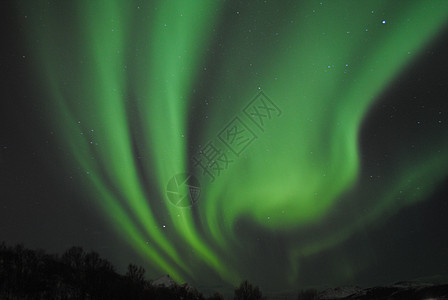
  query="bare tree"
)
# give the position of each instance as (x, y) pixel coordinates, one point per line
(247, 292)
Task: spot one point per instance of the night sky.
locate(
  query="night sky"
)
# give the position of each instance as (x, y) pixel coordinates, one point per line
(292, 143)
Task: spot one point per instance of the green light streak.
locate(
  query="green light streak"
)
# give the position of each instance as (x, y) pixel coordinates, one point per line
(124, 85)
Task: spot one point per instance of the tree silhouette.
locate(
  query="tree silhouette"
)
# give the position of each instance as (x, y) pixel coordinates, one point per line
(135, 274)
(76, 275)
(310, 294)
(216, 296)
(247, 292)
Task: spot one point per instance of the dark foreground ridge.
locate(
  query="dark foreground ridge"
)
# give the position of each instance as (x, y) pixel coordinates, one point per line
(33, 274)
(76, 274)
(397, 291)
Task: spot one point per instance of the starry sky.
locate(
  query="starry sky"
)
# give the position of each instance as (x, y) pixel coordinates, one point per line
(293, 143)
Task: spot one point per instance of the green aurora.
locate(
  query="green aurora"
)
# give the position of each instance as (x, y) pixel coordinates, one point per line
(134, 89)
